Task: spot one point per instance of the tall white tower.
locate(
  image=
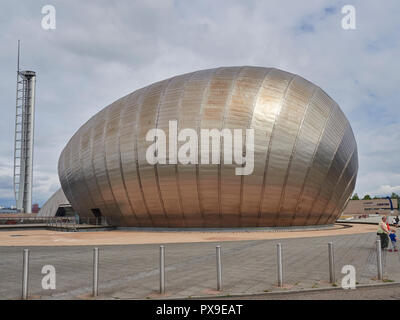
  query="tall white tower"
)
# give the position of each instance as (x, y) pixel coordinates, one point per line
(24, 135)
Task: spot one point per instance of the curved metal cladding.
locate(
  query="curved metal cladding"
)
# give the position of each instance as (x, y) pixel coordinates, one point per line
(305, 154)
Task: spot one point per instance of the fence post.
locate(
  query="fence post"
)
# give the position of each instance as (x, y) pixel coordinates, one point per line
(25, 274)
(219, 268)
(331, 263)
(162, 270)
(95, 272)
(379, 259)
(279, 256)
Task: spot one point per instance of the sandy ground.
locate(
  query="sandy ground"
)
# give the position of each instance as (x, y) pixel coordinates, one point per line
(121, 237)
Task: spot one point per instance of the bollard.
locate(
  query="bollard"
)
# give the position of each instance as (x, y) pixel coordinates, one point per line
(379, 259)
(279, 254)
(331, 263)
(219, 269)
(95, 272)
(162, 270)
(25, 274)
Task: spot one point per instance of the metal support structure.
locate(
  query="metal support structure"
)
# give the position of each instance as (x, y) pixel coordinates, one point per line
(219, 268)
(162, 270)
(379, 259)
(25, 274)
(95, 272)
(280, 272)
(331, 263)
(24, 135)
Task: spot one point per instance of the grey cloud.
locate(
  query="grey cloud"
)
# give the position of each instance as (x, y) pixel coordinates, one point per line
(6, 182)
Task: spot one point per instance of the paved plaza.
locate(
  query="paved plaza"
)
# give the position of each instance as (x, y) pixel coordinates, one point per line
(374, 292)
(132, 271)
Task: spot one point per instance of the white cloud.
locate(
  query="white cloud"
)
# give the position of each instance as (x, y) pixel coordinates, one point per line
(385, 190)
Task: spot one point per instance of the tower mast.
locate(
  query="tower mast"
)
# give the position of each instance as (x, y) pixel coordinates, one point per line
(24, 137)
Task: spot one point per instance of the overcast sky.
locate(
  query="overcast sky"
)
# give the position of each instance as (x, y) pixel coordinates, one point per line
(102, 50)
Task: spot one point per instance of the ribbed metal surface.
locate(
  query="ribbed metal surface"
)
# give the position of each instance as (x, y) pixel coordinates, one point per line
(305, 165)
(50, 207)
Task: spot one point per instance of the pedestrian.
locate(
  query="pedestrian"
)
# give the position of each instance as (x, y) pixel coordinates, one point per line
(393, 239)
(383, 232)
(396, 221)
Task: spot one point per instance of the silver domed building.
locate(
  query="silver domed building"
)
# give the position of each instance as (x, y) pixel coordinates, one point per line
(305, 154)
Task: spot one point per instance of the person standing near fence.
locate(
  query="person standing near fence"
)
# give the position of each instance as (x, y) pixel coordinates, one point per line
(383, 232)
(393, 239)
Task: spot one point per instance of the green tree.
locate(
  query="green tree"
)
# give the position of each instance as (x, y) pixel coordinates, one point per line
(396, 196)
(367, 197)
(355, 197)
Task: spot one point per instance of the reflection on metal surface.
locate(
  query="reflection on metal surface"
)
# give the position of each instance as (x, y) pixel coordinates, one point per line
(305, 154)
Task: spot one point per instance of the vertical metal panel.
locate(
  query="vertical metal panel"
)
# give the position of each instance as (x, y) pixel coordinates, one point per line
(87, 175)
(212, 118)
(341, 184)
(75, 181)
(267, 108)
(84, 158)
(113, 162)
(190, 111)
(129, 156)
(304, 144)
(333, 174)
(323, 104)
(167, 173)
(148, 119)
(237, 116)
(345, 192)
(326, 151)
(308, 138)
(99, 167)
(63, 171)
(287, 126)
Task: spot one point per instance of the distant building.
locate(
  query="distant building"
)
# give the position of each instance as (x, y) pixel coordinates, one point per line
(35, 208)
(8, 210)
(382, 206)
